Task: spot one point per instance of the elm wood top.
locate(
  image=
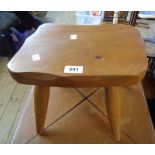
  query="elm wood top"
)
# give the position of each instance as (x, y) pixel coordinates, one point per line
(109, 54)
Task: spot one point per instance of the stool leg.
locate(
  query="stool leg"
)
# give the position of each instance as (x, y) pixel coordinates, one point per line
(41, 97)
(114, 110)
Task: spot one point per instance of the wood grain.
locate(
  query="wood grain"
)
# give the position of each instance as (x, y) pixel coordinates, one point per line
(84, 123)
(110, 54)
(12, 100)
(136, 120)
(17, 115)
(114, 110)
(12, 107)
(41, 97)
(61, 101)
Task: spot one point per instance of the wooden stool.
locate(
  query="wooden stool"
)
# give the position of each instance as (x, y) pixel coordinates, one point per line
(80, 56)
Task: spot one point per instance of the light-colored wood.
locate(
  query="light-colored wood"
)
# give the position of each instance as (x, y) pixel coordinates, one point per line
(61, 101)
(7, 90)
(114, 110)
(68, 19)
(135, 121)
(12, 100)
(82, 123)
(41, 97)
(3, 61)
(3, 72)
(97, 48)
(86, 91)
(12, 107)
(110, 54)
(16, 118)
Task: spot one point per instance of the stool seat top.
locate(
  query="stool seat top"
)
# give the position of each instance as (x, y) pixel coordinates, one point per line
(76, 55)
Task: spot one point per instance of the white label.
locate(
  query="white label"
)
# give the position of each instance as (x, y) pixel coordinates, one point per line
(73, 69)
(73, 36)
(36, 57)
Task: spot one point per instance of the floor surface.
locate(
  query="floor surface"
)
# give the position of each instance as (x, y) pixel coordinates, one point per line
(78, 116)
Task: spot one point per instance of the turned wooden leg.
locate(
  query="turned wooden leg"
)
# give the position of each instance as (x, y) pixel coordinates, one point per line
(114, 110)
(41, 97)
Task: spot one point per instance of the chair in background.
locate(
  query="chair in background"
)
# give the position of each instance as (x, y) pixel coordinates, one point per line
(150, 50)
